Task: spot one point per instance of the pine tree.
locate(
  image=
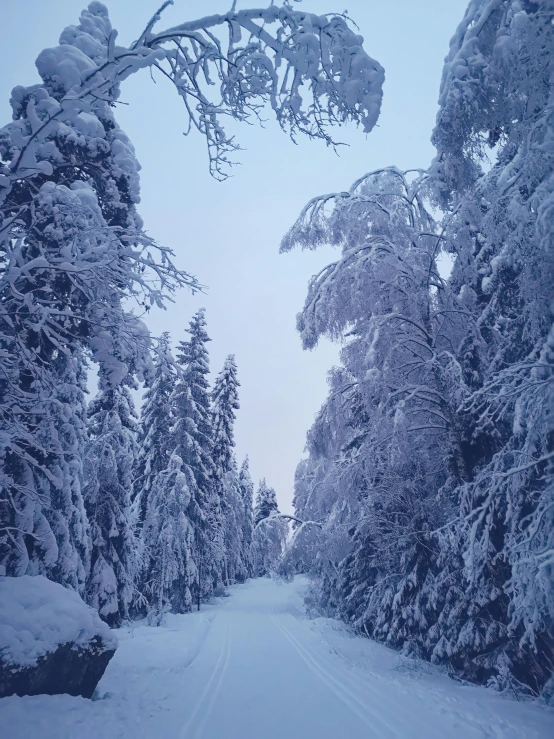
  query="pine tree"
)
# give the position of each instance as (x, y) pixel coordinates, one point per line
(170, 571)
(155, 428)
(192, 441)
(110, 459)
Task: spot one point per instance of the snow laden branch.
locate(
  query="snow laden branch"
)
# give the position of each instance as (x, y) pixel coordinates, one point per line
(308, 57)
(311, 69)
(286, 517)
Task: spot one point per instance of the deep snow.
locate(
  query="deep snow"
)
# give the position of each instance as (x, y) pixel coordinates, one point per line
(253, 666)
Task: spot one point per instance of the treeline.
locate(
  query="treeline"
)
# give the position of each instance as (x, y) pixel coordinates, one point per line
(171, 515)
(428, 493)
(155, 514)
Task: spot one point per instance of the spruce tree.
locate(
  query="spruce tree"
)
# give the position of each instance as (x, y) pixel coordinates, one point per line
(66, 513)
(43, 524)
(224, 404)
(69, 197)
(247, 496)
(155, 439)
(270, 532)
(266, 502)
(170, 570)
(192, 442)
(109, 464)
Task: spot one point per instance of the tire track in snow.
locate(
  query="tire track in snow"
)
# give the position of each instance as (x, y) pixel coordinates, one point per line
(204, 707)
(346, 695)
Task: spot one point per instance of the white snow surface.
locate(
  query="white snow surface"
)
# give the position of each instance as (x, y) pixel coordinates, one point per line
(37, 615)
(253, 666)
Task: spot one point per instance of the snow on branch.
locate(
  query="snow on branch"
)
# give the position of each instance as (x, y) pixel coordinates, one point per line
(312, 70)
(285, 516)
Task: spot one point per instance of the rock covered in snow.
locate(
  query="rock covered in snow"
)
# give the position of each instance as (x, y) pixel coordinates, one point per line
(50, 640)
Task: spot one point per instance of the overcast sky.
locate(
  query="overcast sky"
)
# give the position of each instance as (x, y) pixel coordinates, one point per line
(228, 234)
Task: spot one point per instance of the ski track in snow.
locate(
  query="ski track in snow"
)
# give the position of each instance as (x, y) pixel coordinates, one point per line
(253, 666)
(208, 699)
(348, 697)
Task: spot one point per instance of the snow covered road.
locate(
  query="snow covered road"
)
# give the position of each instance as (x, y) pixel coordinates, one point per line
(254, 667)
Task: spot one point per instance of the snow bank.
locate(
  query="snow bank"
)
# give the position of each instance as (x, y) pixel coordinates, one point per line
(37, 616)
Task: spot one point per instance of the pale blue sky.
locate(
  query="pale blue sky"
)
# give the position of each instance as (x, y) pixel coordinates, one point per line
(228, 233)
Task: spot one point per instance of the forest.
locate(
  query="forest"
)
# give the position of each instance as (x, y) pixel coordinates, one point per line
(424, 505)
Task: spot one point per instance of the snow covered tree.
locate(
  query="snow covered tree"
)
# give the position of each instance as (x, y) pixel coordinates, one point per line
(109, 465)
(72, 246)
(170, 570)
(393, 405)
(303, 547)
(232, 513)
(266, 502)
(71, 249)
(43, 524)
(192, 442)
(224, 404)
(247, 496)
(270, 532)
(495, 620)
(155, 440)
(429, 462)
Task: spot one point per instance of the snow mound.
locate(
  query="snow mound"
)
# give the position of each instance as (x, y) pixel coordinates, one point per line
(38, 615)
